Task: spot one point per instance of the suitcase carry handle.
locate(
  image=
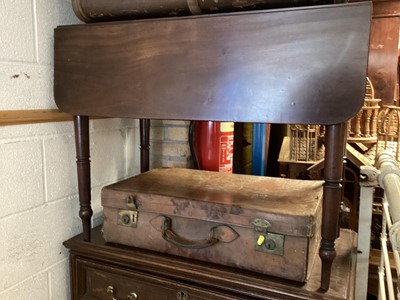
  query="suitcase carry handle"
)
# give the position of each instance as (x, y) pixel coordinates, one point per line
(225, 234)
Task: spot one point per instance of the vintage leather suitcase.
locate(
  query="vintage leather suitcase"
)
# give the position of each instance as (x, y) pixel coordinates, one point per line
(262, 224)
(106, 10)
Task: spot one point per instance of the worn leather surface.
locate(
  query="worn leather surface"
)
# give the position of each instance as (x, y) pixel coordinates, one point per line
(105, 10)
(290, 205)
(197, 202)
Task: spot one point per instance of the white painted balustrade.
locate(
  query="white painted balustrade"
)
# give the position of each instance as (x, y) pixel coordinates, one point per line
(385, 174)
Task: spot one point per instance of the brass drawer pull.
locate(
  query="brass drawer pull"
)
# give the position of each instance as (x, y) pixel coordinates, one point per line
(131, 296)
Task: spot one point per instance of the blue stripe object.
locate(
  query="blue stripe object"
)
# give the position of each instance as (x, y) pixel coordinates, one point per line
(258, 160)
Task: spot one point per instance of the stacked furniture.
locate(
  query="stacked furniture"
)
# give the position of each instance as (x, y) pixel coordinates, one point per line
(298, 66)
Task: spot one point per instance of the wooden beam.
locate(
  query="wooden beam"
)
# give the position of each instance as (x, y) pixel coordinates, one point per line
(17, 117)
(356, 157)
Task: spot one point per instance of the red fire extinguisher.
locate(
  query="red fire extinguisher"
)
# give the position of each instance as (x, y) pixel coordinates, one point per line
(212, 145)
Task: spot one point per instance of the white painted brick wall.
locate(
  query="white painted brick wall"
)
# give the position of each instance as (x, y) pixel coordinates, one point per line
(38, 193)
(17, 36)
(39, 198)
(21, 176)
(26, 51)
(33, 288)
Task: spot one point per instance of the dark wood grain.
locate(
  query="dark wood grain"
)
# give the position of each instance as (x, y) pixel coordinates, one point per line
(383, 58)
(386, 9)
(283, 66)
(144, 145)
(81, 125)
(335, 140)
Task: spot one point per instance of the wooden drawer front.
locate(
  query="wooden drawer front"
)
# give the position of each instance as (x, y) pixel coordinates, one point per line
(99, 277)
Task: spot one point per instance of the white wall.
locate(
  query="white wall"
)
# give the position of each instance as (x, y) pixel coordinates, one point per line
(38, 193)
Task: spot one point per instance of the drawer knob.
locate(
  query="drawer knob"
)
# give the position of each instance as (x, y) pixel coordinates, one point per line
(182, 296)
(131, 296)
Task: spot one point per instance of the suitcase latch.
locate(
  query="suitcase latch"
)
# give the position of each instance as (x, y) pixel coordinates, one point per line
(127, 217)
(265, 241)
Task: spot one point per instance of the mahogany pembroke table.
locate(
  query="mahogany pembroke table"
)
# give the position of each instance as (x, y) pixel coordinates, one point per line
(299, 66)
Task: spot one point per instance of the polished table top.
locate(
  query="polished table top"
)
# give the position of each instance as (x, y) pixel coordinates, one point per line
(300, 66)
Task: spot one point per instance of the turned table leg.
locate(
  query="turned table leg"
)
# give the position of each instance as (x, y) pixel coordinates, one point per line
(335, 139)
(81, 124)
(144, 145)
